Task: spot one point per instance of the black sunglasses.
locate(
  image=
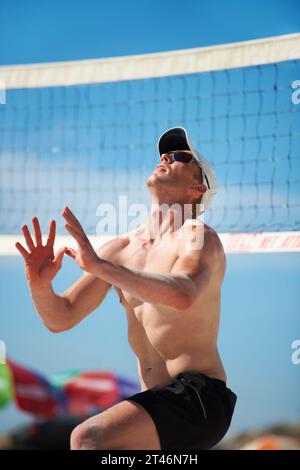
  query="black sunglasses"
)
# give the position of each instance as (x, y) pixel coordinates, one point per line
(187, 158)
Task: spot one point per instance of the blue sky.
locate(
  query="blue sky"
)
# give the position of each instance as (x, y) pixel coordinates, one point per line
(35, 31)
(260, 307)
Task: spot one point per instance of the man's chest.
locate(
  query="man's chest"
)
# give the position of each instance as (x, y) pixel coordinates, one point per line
(143, 256)
(138, 255)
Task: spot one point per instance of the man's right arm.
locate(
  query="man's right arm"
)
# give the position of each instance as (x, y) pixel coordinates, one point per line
(61, 312)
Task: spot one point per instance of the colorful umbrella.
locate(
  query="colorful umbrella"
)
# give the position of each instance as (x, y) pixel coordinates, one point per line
(34, 393)
(6, 386)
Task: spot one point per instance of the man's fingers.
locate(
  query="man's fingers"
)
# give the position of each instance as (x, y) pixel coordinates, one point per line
(22, 250)
(28, 239)
(71, 252)
(51, 235)
(68, 211)
(74, 223)
(77, 228)
(71, 217)
(59, 255)
(74, 234)
(37, 231)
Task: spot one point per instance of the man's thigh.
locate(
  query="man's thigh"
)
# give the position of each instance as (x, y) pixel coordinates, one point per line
(124, 426)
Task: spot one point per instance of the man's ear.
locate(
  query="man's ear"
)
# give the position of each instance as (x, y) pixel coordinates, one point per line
(199, 188)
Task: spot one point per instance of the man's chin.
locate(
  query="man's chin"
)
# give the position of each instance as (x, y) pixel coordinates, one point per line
(153, 179)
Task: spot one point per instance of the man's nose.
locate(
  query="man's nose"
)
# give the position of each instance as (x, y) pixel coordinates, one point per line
(165, 157)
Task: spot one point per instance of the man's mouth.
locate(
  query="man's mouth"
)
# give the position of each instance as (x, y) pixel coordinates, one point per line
(161, 167)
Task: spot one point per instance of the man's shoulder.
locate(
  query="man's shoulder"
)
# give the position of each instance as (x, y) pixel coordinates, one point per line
(217, 253)
(211, 239)
(208, 254)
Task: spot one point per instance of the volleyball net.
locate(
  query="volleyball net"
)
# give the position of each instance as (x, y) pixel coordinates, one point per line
(84, 133)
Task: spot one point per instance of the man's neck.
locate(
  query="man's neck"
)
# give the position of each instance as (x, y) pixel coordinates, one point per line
(165, 218)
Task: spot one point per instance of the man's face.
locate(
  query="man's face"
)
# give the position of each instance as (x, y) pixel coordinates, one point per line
(175, 175)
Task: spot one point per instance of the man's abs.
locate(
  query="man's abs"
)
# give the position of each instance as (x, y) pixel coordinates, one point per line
(161, 372)
(166, 343)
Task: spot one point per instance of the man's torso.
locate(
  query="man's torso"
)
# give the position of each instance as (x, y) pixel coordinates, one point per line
(165, 340)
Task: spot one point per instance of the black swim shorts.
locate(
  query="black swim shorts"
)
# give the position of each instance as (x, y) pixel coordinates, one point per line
(191, 411)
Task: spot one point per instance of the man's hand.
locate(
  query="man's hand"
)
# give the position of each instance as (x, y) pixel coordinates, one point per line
(41, 265)
(85, 256)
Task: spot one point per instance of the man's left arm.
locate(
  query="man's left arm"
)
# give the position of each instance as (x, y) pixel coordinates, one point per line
(190, 275)
(198, 265)
(177, 289)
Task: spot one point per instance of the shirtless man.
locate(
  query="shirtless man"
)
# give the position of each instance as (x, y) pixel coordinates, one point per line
(171, 294)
